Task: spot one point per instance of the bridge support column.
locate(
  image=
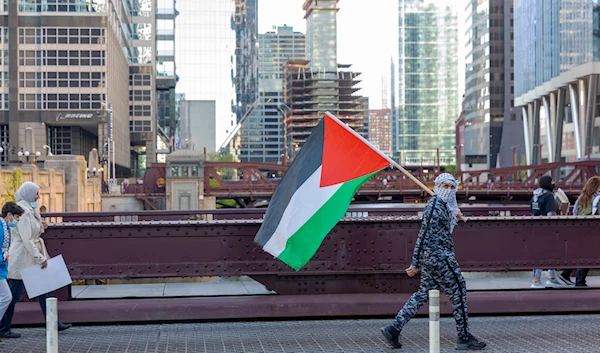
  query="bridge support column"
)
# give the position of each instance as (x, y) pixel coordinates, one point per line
(535, 120)
(558, 129)
(573, 94)
(527, 133)
(590, 114)
(549, 119)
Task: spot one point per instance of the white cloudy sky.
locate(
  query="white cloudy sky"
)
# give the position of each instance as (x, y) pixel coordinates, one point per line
(367, 35)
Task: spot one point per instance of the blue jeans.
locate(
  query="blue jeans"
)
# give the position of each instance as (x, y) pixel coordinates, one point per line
(16, 288)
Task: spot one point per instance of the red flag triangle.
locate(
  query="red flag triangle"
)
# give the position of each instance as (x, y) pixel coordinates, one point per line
(345, 156)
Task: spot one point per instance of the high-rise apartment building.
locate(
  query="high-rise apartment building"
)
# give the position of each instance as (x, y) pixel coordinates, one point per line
(427, 81)
(205, 57)
(245, 23)
(557, 57)
(380, 125)
(261, 133)
(492, 128)
(65, 64)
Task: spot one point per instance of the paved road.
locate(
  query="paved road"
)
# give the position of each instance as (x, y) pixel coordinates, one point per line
(555, 334)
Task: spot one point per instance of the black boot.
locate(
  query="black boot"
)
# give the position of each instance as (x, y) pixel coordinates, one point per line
(470, 344)
(63, 327)
(392, 335)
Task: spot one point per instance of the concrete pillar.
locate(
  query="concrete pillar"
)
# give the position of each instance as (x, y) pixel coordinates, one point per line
(558, 124)
(536, 132)
(526, 132)
(75, 179)
(575, 115)
(590, 114)
(548, 116)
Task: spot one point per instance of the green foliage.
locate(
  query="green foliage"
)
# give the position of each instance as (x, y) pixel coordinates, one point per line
(451, 168)
(227, 203)
(218, 157)
(12, 182)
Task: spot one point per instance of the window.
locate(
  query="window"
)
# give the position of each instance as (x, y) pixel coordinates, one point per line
(60, 139)
(140, 126)
(60, 101)
(140, 95)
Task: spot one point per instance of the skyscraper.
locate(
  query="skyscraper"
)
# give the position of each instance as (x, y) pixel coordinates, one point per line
(320, 84)
(557, 56)
(380, 124)
(67, 64)
(321, 34)
(489, 119)
(205, 57)
(428, 81)
(245, 23)
(261, 133)
(152, 80)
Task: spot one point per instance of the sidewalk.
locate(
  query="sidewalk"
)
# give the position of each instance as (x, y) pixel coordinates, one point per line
(247, 286)
(521, 334)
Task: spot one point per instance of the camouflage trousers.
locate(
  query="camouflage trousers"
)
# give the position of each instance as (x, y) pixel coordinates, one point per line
(441, 273)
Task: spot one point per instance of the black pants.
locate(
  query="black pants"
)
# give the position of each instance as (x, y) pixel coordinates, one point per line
(16, 288)
(580, 277)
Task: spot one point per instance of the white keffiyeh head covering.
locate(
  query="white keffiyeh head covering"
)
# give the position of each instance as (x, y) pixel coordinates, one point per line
(448, 195)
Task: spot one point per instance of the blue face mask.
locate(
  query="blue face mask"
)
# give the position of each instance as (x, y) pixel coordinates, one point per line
(12, 223)
(33, 205)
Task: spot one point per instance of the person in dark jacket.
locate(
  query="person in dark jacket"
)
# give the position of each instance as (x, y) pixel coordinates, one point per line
(434, 257)
(543, 204)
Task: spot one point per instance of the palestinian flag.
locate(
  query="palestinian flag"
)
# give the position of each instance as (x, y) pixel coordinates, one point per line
(316, 191)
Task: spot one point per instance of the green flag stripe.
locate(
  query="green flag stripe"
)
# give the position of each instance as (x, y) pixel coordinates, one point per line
(303, 245)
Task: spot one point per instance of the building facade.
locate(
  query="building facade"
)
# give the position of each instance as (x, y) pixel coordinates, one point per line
(427, 81)
(62, 72)
(491, 126)
(204, 31)
(261, 132)
(380, 125)
(556, 78)
(151, 82)
(321, 34)
(197, 125)
(245, 23)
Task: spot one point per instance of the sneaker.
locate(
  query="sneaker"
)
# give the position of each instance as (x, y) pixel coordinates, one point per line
(469, 344)
(537, 285)
(391, 334)
(63, 327)
(566, 280)
(553, 282)
(581, 285)
(9, 334)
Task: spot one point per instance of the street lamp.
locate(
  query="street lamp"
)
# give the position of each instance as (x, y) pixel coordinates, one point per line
(49, 150)
(285, 116)
(28, 154)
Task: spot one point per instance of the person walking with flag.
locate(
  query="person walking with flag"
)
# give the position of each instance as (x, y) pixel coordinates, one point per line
(434, 257)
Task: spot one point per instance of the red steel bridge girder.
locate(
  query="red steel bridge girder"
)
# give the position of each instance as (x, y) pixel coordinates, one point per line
(362, 255)
(257, 181)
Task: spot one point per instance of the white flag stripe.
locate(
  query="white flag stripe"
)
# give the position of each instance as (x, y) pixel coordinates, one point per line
(307, 200)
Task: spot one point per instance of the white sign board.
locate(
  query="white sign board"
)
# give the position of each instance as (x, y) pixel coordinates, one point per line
(40, 280)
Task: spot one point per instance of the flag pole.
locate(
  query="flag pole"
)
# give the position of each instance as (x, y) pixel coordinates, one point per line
(411, 177)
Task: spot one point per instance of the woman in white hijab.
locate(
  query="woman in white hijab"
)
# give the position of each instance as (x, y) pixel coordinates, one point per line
(27, 249)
